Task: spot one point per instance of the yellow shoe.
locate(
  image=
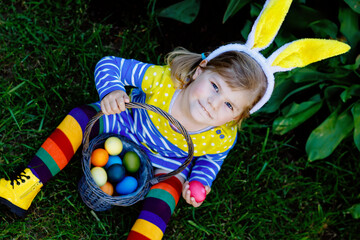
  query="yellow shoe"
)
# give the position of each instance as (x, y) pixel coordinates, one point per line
(18, 192)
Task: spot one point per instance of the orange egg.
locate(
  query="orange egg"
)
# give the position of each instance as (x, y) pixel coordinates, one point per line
(108, 188)
(99, 157)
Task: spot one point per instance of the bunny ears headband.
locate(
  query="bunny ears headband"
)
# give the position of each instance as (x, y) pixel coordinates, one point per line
(298, 53)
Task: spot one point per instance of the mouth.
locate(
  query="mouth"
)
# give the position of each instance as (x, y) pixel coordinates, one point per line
(203, 108)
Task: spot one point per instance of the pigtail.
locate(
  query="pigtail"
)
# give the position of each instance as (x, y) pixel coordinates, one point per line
(183, 64)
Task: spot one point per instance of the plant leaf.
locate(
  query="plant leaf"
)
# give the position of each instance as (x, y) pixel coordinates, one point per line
(299, 89)
(354, 4)
(349, 93)
(282, 87)
(246, 29)
(328, 135)
(324, 28)
(185, 11)
(356, 115)
(332, 95)
(355, 211)
(233, 7)
(349, 25)
(354, 66)
(308, 75)
(297, 114)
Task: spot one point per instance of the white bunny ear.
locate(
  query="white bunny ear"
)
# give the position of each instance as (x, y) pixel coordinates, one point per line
(268, 24)
(302, 52)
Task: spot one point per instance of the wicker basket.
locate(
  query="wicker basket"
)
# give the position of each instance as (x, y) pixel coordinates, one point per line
(91, 193)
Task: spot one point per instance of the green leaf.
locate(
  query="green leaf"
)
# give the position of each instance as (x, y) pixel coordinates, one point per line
(308, 75)
(356, 115)
(355, 211)
(301, 16)
(233, 7)
(297, 114)
(332, 96)
(354, 66)
(299, 89)
(350, 92)
(246, 29)
(324, 28)
(354, 4)
(328, 135)
(349, 25)
(185, 11)
(282, 86)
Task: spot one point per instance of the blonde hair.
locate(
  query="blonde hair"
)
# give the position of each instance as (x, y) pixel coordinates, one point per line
(239, 70)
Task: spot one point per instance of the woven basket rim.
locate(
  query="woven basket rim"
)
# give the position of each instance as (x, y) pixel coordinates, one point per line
(125, 200)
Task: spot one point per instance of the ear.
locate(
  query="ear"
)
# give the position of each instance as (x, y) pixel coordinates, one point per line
(200, 69)
(203, 63)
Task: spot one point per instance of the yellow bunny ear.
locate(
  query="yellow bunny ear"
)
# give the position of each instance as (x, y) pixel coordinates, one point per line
(303, 52)
(268, 24)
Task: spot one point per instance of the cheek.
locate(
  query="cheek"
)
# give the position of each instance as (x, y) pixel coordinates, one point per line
(200, 90)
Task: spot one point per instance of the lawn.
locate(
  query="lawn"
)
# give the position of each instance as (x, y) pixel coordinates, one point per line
(266, 189)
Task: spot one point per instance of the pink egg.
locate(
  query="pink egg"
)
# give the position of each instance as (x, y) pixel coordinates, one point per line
(197, 191)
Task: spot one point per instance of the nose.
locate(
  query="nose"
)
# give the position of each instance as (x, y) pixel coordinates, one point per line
(215, 101)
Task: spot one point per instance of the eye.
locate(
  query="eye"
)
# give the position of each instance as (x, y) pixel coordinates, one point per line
(215, 87)
(229, 105)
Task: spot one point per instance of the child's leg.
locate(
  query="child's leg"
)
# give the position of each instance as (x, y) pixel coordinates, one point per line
(55, 153)
(159, 204)
(57, 150)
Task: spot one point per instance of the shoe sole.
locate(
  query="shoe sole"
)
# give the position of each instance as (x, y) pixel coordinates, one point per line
(13, 208)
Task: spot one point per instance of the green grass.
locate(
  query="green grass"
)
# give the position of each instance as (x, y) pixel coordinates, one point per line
(265, 190)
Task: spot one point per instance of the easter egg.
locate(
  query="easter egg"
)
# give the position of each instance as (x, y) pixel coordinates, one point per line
(131, 161)
(108, 188)
(197, 191)
(99, 157)
(127, 185)
(113, 145)
(113, 160)
(116, 173)
(99, 175)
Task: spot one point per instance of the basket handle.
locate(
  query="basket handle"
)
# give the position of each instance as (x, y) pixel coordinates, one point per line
(161, 112)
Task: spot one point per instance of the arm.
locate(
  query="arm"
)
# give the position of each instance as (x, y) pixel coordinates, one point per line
(205, 171)
(111, 75)
(207, 167)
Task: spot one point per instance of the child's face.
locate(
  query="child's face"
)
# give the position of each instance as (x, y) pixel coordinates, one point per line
(212, 102)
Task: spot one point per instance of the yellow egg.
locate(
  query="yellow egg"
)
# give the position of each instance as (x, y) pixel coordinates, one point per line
(113, 146)
(99, 175)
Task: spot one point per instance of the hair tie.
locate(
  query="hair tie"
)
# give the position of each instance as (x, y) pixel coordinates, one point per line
(203, 56)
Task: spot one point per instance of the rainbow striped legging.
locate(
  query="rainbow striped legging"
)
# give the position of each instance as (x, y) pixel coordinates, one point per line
(58, 149)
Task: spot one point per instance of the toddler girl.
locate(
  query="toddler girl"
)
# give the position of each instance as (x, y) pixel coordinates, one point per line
(209, 95)
(209, 98)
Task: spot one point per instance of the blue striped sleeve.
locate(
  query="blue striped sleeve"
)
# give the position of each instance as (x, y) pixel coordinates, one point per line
(114, 73)
(207, 167)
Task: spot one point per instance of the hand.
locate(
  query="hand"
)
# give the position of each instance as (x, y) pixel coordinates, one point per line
(114, 102)
(191, 200)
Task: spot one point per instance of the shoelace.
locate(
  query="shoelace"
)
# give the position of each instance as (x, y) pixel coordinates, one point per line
(17, 177)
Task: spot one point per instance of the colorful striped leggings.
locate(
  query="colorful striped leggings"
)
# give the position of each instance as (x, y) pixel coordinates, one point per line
(57, 150)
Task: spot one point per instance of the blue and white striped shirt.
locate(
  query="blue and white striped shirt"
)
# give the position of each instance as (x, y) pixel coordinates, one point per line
(166, 147)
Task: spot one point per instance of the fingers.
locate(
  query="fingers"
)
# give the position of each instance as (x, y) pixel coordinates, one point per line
(187, 196)
(114, 102)
(120, 104)
(207, 189)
